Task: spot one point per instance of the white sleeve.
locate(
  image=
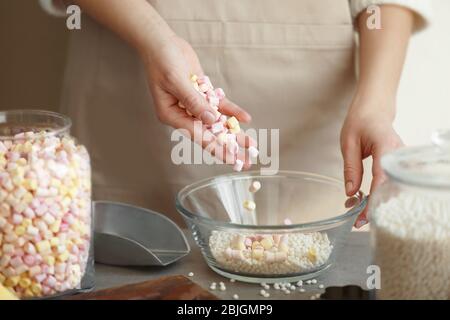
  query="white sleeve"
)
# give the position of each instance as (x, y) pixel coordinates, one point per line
(54, 7)
(421, 8)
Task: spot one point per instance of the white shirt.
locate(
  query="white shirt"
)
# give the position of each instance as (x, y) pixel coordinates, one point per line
(421, 8)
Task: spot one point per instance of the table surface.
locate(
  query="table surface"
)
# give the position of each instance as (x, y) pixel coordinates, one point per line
(349, 269)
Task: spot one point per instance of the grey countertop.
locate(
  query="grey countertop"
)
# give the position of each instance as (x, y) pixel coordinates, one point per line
(349, 269)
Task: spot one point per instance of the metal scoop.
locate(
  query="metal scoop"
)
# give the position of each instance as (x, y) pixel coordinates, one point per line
(126, 235)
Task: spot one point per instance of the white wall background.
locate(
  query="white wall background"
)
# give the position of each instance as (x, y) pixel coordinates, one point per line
(424, 93)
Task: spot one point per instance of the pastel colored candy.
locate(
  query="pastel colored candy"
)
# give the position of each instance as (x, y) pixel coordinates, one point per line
(222, 125)
(45, 217)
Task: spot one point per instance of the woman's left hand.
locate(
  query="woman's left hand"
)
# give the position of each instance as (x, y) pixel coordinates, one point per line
(367, 131)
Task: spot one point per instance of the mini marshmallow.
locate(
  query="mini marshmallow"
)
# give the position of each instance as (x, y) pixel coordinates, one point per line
(233, 148)
(267, 242)
(239, 164)
(249, 205)
(219, 93)
(221, 138)
(238, 242)
(258, 253)
(217, 127)
(253, 152)
(232, 122)
(255, 186)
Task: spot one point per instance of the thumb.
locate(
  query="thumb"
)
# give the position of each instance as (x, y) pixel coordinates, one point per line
(353, 168)
(194, 102)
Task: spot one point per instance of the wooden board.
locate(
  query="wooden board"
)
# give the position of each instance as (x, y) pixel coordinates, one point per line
(165, 288)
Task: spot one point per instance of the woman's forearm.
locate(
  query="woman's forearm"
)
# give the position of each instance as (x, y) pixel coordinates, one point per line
(136, 21)
(382, 54)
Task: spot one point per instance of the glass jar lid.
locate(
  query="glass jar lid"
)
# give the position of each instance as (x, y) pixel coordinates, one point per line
(426, 166)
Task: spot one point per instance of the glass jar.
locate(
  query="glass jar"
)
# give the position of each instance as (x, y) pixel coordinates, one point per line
(45, 205)
(410, 218)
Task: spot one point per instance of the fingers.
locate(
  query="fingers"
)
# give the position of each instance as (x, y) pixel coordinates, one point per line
(194, 102)
(378, 177)
(231, 109)
(353, 167)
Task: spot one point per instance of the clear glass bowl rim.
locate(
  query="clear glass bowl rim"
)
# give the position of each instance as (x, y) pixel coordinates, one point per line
(215, 223)
(67, 122)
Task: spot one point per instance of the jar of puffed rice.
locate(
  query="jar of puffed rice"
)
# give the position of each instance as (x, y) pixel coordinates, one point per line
(45, 206)
(410, 218)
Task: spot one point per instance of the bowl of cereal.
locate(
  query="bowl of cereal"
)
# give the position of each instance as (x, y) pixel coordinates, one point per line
(269, 228)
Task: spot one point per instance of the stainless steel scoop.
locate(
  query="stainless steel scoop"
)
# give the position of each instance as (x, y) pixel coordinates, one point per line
(126, 235)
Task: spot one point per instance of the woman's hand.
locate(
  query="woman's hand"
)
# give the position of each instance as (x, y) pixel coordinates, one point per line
(367, 131)
(169, 62)
(169, 67)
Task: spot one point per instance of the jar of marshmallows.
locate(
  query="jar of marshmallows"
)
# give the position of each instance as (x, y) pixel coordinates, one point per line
(410, 222)
(45, 205)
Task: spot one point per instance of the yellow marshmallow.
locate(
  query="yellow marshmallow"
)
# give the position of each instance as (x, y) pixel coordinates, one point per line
(27, 147)
(17, 180)
(55, 226)
(27, 197)
(54, 241)
(12, 281)
(235, 129)
(232, 122)
(249, 205)
(24, 283)
(267, 243)
(26, 222)
(2, 277)
(19, 171)
(50, 260)
(7, 293)
(20, 231)
(63, 256)
(28, 293)
(30, 184)
(43, 246)
(72, 192)
(312, 254)
(257, 253)
(36, 288)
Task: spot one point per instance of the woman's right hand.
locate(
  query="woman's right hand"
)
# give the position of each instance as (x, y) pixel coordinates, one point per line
(169, 62)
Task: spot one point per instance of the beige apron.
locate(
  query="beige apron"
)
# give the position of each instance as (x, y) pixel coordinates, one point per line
(289, 63)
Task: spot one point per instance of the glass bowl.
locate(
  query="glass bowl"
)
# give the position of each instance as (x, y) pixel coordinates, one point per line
(300, 223)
